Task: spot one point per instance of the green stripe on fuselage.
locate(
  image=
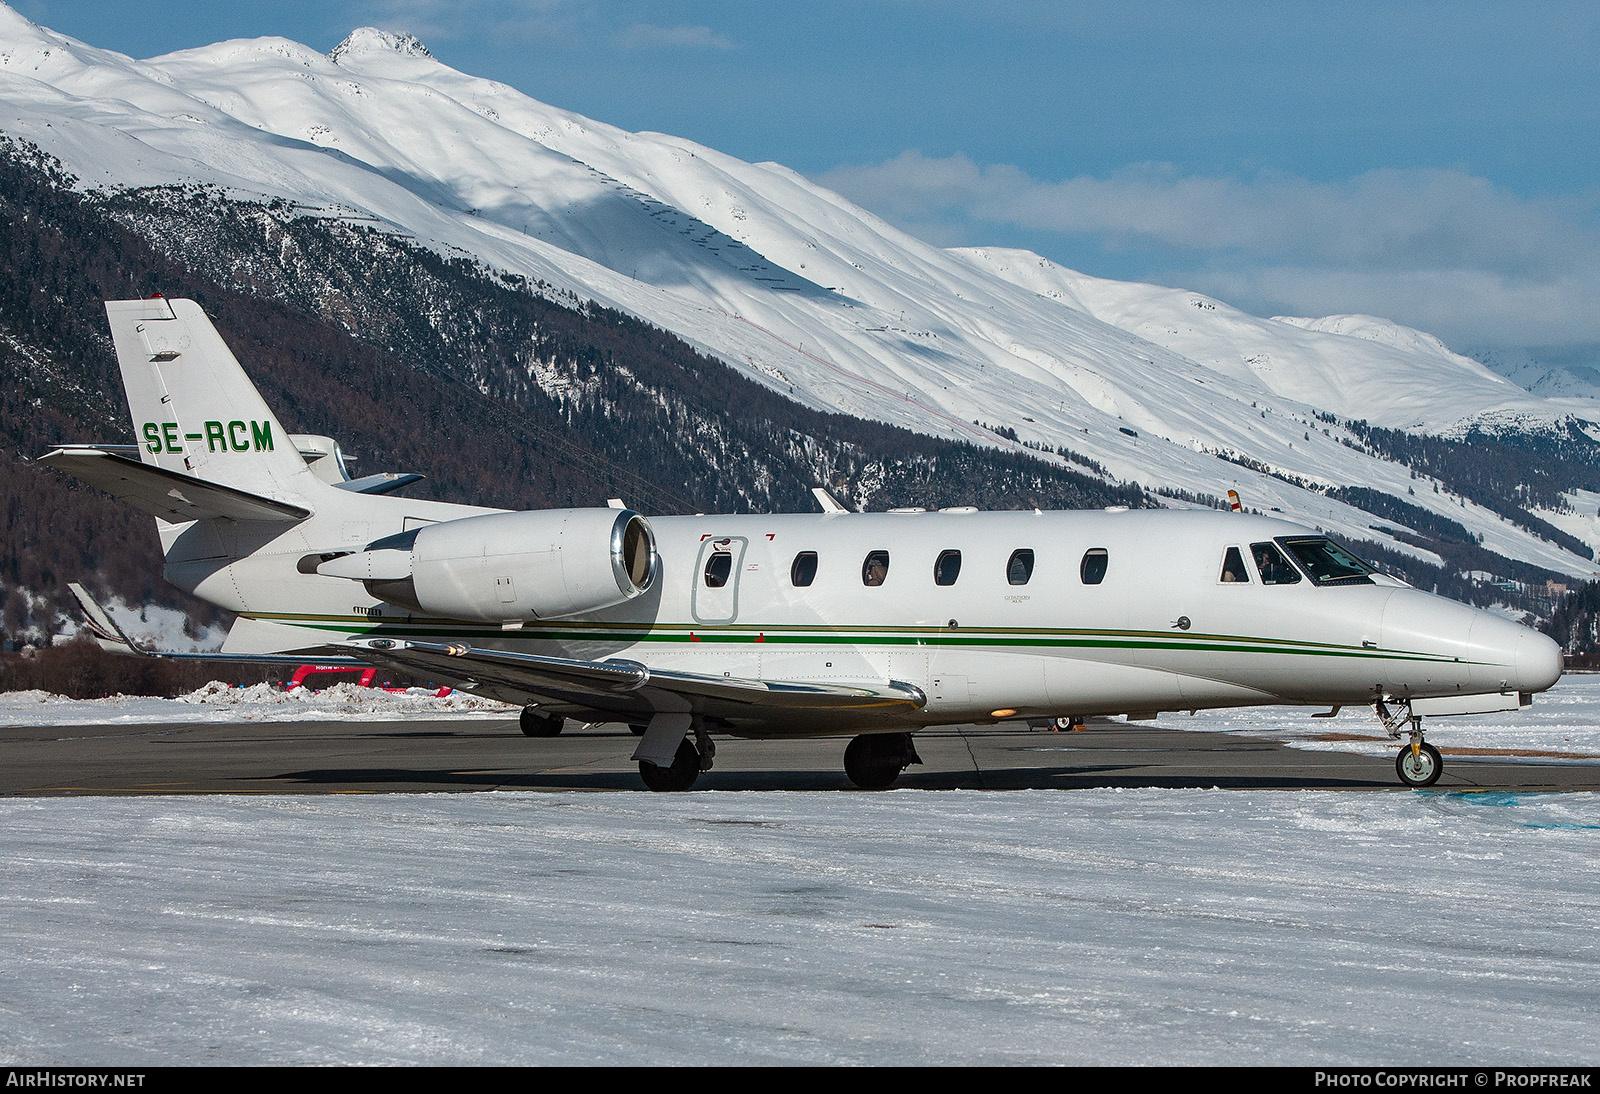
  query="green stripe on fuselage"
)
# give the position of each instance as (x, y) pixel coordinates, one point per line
(791, 635)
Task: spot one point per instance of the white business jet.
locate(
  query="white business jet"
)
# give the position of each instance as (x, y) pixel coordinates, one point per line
(875, 625)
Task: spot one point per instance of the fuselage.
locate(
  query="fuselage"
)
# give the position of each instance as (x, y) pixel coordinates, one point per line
(993, 615)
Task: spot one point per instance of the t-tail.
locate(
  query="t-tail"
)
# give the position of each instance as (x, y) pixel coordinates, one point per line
(271, 526)
(240, 502)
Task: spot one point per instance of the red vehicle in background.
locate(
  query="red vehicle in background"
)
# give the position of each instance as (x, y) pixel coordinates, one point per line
(366, 675)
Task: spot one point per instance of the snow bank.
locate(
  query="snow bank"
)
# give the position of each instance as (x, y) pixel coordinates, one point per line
(219, 702)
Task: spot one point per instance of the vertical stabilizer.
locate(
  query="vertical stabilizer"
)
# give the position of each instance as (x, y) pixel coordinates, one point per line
(194, 409)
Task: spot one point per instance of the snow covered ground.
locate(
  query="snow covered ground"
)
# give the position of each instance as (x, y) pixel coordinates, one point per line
(905, 927)
(1098, 926)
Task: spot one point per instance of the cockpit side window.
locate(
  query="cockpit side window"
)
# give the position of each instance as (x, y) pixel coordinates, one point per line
(803, 571)
(718, 567)
(875, 568)
(1327, 562)
(1093, 567)
(1274, 568)
(1233, 571)
(1019, 569)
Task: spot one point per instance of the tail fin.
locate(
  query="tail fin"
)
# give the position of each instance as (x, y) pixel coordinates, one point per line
(195, 412)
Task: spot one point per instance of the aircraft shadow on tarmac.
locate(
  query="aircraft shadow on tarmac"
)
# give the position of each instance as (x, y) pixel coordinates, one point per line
(1074, 777)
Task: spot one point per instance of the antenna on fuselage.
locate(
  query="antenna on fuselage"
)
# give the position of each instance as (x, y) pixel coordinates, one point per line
(1234, 504)
(829, 503)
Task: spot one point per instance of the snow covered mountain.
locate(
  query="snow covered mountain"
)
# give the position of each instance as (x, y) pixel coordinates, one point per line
(786, 281)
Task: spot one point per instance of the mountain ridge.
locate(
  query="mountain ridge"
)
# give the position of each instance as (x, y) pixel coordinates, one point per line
(790, 284)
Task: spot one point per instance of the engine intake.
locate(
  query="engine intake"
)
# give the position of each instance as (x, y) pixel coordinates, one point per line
(541, 564)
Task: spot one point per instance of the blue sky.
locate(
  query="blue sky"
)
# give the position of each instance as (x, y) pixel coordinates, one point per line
(1432, 162)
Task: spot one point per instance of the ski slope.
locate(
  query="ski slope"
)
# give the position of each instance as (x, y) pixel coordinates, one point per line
(782, 279)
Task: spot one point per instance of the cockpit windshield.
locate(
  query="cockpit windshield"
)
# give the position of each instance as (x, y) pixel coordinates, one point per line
(1326, 562)
(1273, 567)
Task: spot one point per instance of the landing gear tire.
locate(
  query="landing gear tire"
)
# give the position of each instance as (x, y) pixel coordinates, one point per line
(535, 724)
(680, 776)
(874, 760)
(1421, 769)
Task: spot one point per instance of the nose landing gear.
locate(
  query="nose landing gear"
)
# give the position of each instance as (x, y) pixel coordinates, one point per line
(1419, 764)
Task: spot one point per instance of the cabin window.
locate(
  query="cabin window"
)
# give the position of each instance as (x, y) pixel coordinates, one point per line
(1275, 569)
(1233, 571)
(875, 568)
(1020, 567)
(718, 567)
(947, 568)
(1327, 562)
(804, 569)
(1093, 567)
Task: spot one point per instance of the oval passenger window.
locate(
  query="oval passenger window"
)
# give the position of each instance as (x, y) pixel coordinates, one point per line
(947, 568)
(804, 570)
(1093, 567)
(875, 568)
(1019, 570)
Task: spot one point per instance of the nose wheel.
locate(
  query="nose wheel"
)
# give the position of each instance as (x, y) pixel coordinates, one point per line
(1419, 767)
(1419, 764)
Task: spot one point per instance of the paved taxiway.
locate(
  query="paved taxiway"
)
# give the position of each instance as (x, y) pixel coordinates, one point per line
(463, 755)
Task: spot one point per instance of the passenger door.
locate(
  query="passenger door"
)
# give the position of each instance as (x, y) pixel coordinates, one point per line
(716, 580)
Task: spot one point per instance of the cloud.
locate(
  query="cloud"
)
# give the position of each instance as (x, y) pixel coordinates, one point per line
(1440, 249)
(644, 36)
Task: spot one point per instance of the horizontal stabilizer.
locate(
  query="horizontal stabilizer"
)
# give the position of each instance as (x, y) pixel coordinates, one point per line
(384, 482)
(170, 495)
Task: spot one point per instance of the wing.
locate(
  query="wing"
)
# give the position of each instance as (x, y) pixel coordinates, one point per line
(618, 690)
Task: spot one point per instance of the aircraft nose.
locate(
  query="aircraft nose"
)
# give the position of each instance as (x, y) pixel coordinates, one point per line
(1513, 656)
(1538, 661)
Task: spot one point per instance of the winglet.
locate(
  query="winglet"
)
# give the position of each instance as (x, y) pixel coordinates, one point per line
(829, 503)
(101, 626)
(108, 636)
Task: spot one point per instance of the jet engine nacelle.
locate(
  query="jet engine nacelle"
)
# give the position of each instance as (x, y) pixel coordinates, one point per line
(543, 564)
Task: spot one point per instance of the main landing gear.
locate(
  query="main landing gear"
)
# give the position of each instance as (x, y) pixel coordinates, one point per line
(537, 724)
(874, 760)
(694, 755)
(1419, 764)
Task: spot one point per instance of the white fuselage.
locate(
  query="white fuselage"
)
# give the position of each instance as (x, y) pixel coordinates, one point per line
(1160, 631)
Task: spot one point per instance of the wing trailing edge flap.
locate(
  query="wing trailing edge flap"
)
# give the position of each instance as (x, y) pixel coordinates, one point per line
(170, 495)
(628, 688)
